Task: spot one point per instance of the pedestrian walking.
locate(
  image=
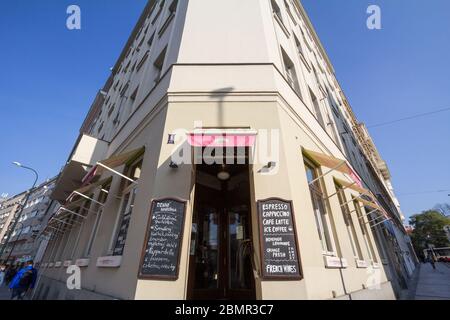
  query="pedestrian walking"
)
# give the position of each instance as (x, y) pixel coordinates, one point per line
(2, 274)
(24, 280)
(431, 260)
(10, 274)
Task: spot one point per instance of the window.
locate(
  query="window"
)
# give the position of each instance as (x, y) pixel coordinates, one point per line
(299, 46)
(276, 10)
(150, 41)
(161, 6)
(159, 63)
(173, 7)
(365, 232)
(323, 221)
(117, 244)
(144, 58)
(291, 75)
(134, 95)
(288, 9)
(98, 209)
(138, 49)
(170, 15)
(304, 38)
(83, 211)
(356, 248)
(316, 106)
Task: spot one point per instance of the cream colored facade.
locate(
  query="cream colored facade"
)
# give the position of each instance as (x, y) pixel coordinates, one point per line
(254, 65)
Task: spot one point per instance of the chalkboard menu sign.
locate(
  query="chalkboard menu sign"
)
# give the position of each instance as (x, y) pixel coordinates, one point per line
(162, 247)
(278, 238)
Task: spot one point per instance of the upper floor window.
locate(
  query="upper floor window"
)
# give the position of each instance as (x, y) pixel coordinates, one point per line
(158, 13)
(317, 110)
(299, 46)
(276, 10)
(159, 63)
(288, 9)
(291, 74)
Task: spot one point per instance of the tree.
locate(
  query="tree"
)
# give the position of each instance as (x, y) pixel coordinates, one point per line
(429, 229)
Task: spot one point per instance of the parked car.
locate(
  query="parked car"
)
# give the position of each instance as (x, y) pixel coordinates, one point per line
(444, 259)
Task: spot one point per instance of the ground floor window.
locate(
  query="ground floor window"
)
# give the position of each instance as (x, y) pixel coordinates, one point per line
(323, 221)
(365, 232)
(124, 222)
(353, 236)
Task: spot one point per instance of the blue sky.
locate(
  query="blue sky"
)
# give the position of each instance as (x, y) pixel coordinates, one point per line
(51, 76)
(393, 73)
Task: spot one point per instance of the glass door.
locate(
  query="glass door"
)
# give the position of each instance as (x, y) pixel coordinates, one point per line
(221, 247)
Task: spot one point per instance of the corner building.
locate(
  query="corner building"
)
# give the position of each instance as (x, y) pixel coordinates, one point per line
(238, 76)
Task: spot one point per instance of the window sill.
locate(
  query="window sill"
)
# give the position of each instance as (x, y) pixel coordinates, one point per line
(335, 262)
(361, 264)
(109, 262)
(166, 25)
(82, 262)
(305, 62)
(329, 253)
(283, 27)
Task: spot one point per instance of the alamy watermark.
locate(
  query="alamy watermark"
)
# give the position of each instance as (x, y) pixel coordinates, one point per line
(73, 21)
(374, 19)
(74, 280)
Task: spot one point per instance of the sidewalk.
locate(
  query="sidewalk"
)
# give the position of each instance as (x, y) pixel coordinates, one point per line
(433, 284)
(5, 294)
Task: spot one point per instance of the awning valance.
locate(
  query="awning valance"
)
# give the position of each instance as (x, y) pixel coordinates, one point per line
(334, 164)
(228, 138)
(74, 204)
(354, 186)
(370, 204)
(69, 179)
(86, 190)
(112, 163)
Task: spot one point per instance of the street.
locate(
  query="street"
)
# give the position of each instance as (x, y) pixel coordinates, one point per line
(433, 284)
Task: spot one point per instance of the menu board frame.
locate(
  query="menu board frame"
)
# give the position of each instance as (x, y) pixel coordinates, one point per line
(263, 274)
(175, 277)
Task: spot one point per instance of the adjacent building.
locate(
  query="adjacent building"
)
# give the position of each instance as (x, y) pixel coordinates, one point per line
(9, 207)
(222, 160)
(25, 238)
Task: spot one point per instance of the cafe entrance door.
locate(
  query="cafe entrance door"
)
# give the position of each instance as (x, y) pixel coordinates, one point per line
(221, 254)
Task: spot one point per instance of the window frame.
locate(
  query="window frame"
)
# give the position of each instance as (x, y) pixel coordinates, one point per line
(330, 248)
(126, 206)
(98, 212)
(349, 224)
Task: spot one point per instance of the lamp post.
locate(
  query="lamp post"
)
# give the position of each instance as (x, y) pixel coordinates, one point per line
(16, 218)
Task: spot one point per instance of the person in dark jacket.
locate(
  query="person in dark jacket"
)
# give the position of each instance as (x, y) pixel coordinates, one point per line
(23, 281)
(10, 273)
